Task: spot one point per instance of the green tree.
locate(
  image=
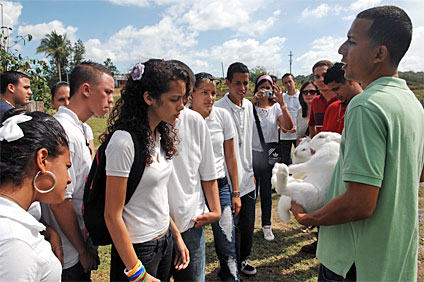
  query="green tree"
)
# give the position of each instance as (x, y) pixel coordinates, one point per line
(78, 52)
(56, 46)
(110, 66)
(256, 72)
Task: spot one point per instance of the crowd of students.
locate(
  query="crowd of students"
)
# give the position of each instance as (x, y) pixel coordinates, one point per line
(205, 162)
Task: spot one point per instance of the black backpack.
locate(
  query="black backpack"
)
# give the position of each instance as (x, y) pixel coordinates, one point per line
(95, 190)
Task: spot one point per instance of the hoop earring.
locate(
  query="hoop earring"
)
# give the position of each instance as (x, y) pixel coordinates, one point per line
(44, 191)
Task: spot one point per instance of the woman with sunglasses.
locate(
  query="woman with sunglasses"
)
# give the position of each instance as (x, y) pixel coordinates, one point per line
(271, 116)
(308, 91)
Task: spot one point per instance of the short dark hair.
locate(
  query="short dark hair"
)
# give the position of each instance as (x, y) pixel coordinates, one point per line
(42, 131)
(287, 75)
(274, 78)
(322, 63)
(86, 72)
(391, 27)
(10, 77)
(191, 78)
(57, 86)
(236, 68)
(201, 76)
(335, 73)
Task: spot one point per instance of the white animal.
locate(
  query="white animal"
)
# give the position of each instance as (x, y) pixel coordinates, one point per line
(311, 177)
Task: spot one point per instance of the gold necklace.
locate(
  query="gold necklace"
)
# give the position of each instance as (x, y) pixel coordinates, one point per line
(10, 198)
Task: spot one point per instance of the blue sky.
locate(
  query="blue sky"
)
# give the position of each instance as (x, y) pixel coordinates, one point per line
(204, 33)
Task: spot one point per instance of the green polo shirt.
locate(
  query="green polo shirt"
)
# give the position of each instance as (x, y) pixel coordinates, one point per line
(382, 145)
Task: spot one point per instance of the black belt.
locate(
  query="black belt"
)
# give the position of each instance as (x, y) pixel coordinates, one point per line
(222, 181)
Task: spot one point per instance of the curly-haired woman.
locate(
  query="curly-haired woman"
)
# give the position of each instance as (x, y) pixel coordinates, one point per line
(141, 229)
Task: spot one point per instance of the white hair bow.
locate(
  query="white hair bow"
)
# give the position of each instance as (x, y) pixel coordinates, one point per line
(11, 130)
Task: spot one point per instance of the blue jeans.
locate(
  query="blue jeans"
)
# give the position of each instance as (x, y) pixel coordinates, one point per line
(75, 273)
(245, 224)
(263, 173)
(156, 256)
(194, 239)
(224, 237)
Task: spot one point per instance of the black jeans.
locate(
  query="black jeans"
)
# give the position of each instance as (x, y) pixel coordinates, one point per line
(326, 274)
(75, 273)
(286, 147)
(245, 223)
(263, 173)
(156, 256)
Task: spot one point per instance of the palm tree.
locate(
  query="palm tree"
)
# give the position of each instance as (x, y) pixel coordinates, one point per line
(56, 46)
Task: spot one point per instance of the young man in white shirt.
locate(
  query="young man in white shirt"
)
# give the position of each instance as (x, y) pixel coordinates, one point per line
(291, 98)
(241, 110)
(91, 89)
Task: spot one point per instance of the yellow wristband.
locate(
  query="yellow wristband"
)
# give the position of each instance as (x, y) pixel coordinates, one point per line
(133, 270)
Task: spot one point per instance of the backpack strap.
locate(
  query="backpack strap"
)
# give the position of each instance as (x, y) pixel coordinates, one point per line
(137, 167)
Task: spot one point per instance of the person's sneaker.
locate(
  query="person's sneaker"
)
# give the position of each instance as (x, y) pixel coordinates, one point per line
(311, 248)
(247, 268)
(268, 235)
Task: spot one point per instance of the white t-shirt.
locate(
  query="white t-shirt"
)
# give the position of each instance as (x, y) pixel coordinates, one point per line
(24, 253)
(293, 104)
(146, 215)
(195, 162)
(81, 163)
(243, 121)
(302, 124)
(268, 118)
(221, 128)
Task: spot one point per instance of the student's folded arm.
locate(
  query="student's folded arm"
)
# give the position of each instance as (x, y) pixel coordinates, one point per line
(210, 188)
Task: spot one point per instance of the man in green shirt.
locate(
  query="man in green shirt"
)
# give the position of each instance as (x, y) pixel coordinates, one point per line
(369, 224)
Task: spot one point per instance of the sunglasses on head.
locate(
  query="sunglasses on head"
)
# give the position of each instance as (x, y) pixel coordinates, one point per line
(310, 92)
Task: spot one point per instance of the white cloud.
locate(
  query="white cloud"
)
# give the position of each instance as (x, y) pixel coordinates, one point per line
(319, 12)
(140, 3)
(131, 44)
(38, 31)
(11, 13)
(251, 52)
(414, 60)
(241, 16)
(324, 48)
(363, 4)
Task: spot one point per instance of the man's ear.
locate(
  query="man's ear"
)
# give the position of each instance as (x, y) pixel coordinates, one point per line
(11, 88)
(147, 98)
(382, 54)
(85, 89)
(227, 82)
(41, 159)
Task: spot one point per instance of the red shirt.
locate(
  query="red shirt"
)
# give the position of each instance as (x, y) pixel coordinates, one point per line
(318, 107)
(334, 117)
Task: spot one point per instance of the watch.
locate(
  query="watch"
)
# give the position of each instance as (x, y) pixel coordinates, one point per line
(235, 194)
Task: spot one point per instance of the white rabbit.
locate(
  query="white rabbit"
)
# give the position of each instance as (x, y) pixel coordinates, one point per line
(311, 178)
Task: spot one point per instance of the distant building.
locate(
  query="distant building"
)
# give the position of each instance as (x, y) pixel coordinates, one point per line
(120, 80)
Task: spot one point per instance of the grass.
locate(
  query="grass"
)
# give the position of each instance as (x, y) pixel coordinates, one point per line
(278, 260)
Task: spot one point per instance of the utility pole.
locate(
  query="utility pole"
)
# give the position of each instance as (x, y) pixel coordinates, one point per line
(222, 67)
(291, 60)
